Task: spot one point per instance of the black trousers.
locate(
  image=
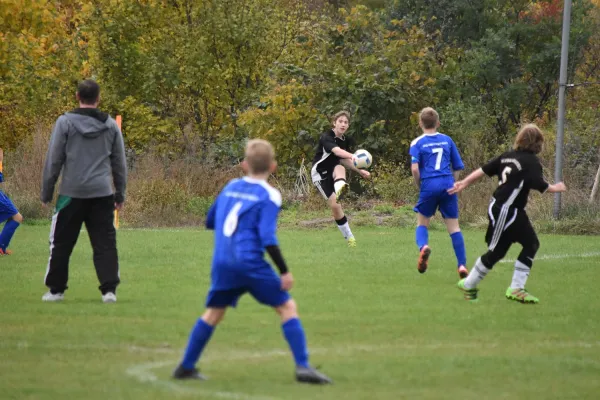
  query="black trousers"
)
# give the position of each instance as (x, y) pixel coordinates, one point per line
(98, 216)
(508, 225)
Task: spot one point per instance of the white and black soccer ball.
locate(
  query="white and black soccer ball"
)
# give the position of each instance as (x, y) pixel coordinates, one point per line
(363, 159)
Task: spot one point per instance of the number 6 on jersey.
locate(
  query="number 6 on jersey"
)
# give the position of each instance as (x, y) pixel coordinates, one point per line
(231, 220)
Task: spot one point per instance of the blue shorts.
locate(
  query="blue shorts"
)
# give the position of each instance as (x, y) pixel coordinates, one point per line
(229, 285)
(431, 200)
(7, 208)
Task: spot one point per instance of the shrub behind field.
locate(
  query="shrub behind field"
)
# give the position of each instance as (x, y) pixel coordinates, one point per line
(166, 192)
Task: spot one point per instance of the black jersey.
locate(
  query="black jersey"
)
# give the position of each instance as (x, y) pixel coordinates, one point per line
(518, 172)
(325, 161)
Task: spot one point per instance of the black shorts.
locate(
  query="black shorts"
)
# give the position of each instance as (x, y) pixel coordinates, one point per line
(508, 225)
(325, 186)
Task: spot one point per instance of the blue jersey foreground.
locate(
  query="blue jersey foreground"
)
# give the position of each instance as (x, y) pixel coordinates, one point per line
(244, 218)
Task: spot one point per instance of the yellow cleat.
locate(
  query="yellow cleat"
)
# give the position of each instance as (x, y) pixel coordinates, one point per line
(351, 242)
(341, 192)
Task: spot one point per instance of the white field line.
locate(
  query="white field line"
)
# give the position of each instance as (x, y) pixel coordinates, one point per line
(143, 372)
(560, 256)
(245, 355)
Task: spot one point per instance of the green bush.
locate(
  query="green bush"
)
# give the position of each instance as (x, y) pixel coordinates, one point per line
(392, 182)
(199, 206)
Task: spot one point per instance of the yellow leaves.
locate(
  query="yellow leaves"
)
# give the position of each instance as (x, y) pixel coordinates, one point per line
(86, 69)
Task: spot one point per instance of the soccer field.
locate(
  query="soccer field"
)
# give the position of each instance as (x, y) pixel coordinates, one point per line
(378, 328)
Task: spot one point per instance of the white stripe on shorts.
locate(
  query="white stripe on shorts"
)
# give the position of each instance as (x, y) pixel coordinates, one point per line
(318, 186)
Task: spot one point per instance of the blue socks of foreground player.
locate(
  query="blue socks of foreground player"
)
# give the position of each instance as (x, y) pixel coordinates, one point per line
(7, 233)
(198, 339)
(294, 335)
(200, 335)
(422, 236)
(458, 243)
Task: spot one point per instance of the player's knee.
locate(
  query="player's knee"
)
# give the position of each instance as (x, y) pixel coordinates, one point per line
(452, 225)
(339, 172)
(18, 217)
(423, 220)
(212, 316)
(287, 310)
(490, 259)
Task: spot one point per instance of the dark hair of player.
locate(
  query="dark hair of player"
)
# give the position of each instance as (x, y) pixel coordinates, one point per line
(88, 91)
(530, 138)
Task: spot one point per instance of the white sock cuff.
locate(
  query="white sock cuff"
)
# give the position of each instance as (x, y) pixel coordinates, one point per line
(519, 266)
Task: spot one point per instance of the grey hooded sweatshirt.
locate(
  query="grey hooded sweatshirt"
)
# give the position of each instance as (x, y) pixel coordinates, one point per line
(87, 145)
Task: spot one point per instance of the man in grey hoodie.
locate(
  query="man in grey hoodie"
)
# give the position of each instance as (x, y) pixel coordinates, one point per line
(87, 146)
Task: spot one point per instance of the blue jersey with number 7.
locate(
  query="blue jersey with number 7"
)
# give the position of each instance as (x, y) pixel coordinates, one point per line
(436, 155)
(244, 218)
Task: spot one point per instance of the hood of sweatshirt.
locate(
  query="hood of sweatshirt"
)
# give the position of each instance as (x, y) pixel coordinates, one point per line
(89, 122)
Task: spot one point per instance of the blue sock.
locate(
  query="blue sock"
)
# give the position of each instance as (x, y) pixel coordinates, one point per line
(294, 334)
(7, 233)
(458, 242)
(198, 339)
(422, 236)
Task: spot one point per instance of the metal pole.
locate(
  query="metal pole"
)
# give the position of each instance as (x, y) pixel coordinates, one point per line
(562, 82)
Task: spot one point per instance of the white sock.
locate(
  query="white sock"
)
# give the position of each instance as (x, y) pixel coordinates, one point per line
(520, 275)
(338, 185)
(345, 229)
(476, 275)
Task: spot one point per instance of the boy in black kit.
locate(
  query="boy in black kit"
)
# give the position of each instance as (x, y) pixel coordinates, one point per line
(518, 172)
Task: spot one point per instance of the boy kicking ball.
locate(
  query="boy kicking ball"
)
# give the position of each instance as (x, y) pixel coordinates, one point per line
(244, 218)
(328, 172)
(518, 172)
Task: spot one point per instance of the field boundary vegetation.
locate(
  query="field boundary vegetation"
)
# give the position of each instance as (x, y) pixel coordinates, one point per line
(194, 82)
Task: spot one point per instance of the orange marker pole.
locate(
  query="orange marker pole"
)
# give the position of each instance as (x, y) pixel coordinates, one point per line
(118, 120)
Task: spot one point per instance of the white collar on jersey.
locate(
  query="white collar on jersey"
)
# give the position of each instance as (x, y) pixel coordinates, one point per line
(253, 180)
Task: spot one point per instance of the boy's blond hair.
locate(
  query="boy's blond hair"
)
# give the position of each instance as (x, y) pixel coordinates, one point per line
(530, 138)
(259, 156)
(429, 118)
(339, 114)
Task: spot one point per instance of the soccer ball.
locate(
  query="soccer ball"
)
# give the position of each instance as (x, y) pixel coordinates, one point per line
(363, 159)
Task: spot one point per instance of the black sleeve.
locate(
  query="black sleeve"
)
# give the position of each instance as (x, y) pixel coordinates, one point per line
(492, 168)
(275, 254)
(328, 142)
(350, 144)
(537, 178)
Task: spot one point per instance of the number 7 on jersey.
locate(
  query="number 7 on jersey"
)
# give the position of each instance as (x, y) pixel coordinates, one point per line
(438, 159)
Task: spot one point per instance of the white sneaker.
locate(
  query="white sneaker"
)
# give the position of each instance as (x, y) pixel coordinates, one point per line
(53, 297)
(109, 297)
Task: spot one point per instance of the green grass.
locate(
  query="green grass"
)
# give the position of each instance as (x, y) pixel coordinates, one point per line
(376, 326)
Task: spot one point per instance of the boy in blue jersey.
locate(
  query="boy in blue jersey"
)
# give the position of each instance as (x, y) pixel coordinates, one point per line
(435, 160)
(244, 218)
(8, 213)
